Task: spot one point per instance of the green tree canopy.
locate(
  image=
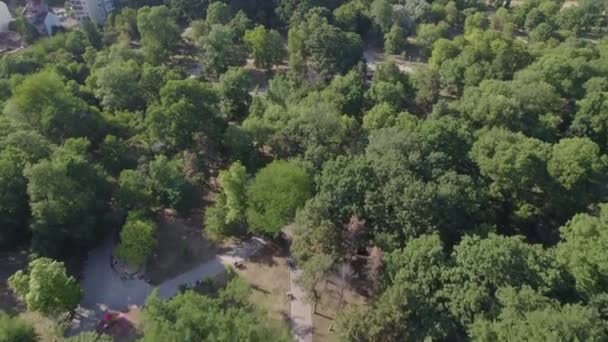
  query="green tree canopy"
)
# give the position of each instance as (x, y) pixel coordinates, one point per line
(46, 287)
(159, 32)
(137, 239)
(69, 198)
(191, 317)
(13, 329)
(266, 46)
(274, 195)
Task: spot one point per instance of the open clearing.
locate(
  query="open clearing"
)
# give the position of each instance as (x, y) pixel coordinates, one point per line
(267, 274)
(181, 247)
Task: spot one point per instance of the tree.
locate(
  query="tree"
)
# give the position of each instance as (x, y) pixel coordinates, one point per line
(218, 13)
(160, 183)
(526, 315)
(274, 195)
(395, 40)
(484, 265)
(584, 238)
(515, 164)
(382, 12)
(346, 91)
(352, 16)
(159, 32)
(137, 239)
(313, 271)
(92, 32)
(69, 198)
(428, 34)
(591, 118)
(44, 102)
(329, 49)
(191, 317)
(576, 162)
(118, 87)
(233, 90)
(266, 46)
(14, 206)
(222, 50)
(188, 10)
(186, 107)
(380, 116)
(13, 329)
(89, 337)
(46, 287)
(233, 183)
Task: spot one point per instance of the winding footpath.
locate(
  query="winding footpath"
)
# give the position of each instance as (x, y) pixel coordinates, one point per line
(300, 311)
(104, 290)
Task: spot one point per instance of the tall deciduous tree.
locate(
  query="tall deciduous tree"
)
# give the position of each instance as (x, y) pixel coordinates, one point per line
(137, 239)
(266, 46)
(13, 329)
(69, 198)
(159, 32)
(45, 103)
(46, 287)
(274, 195)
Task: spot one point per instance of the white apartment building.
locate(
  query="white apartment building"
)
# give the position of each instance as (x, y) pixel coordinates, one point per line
(5, 17)
(97, 10)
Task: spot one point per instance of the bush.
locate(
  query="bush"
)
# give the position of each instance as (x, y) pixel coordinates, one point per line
(137, 239)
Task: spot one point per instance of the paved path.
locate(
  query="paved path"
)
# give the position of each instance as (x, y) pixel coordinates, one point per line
(105, 290)
(300, 311)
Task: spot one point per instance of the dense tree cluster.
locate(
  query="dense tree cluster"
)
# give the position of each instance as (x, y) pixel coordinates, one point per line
(467, 180)
(227, 316)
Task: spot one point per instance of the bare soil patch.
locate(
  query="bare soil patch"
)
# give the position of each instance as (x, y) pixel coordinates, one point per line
(335, 298)
(181, 246)
(10, 262)
(268, 276)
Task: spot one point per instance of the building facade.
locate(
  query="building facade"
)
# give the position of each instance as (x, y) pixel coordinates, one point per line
(96, 10)
(5, 17)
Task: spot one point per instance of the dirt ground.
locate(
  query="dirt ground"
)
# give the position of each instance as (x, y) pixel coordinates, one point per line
(181, 247)
(10, 262)
(331, 304)
(267, 274)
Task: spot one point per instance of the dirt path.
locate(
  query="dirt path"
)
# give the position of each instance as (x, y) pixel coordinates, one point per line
(300, 311)
(104, 289)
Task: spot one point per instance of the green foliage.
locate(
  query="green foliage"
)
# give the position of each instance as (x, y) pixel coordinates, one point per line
(89, 337)
(117, 86)
(326, 48)
(69, 198)
(266, 46)
(218, 13)
(274, 195)
(159, 32)
(222, 49)
(137, 239)
(44, 102)
(576, 163)
(18, 149)
(160, 183)
(527, 316)
(583, 241)
(352, 16)
(46, 287)
(233, 92)
(186, 107)
(13, 329)
(395, 40)
(428, 34)
(193, 317)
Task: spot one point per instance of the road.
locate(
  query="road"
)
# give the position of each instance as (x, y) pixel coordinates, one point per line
(300, 311)
(104, 289)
